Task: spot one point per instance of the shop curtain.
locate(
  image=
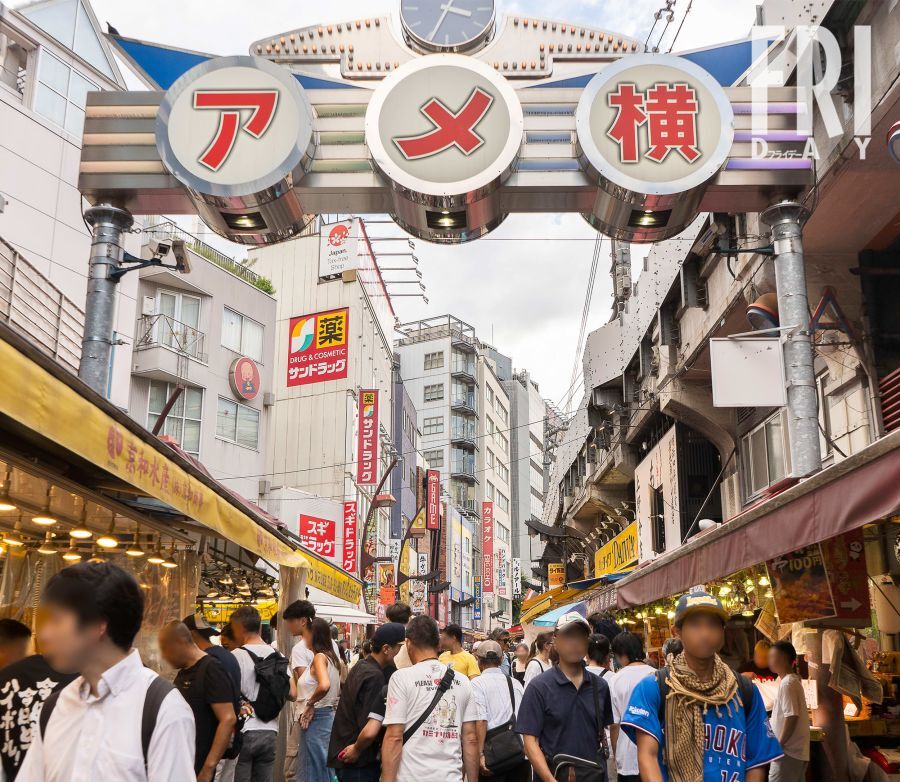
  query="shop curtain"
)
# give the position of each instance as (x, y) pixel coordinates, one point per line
(24, 575)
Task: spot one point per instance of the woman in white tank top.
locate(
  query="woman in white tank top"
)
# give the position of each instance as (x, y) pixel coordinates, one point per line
(319, 687)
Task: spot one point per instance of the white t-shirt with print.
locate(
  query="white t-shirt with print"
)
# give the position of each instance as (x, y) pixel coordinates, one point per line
(620, 688)
(434, 752)
(791, 702)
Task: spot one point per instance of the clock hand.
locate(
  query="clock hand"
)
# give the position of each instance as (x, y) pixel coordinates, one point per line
(440, 21)
(460, 11)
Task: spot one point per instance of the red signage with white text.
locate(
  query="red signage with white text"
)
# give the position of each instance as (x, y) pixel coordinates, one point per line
(433, 506)
(487, 547)
(845, 561)
(318, 535)
(350, 557)
(367, 458)
(317, 347)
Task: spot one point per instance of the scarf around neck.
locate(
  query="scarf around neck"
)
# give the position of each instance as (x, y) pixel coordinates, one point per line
(686, 703)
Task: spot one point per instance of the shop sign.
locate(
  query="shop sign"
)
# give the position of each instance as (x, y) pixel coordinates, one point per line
(318, 535)
(603, 600)
(556, 574)
(476, 614)
(501, 571)
(417, 525)
(433, 512)
(235, 126)
(317, 347)
(619, 555)
(367, 443)
(487, 546)
(800, 585)
(333, 580)
(654, 124)
(516, 577)
(845, 562)
(444, 125)
(244, 378)
(351, 537)
(338, 248)
(387, 583)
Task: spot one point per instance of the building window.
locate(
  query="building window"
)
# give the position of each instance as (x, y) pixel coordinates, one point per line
(490, 395)
(503, 471)
(434, 393)
(183, 420)
(434, 360)
(502, 501)
(491, 491)
(502, 412)
(434, 425)
(765, 455)
(490, 426)
(503, 443)
(435, 458)
(177, 323)
(825, 441)
(242, 335)
(13, 63)
(237, 423)
(502, 533)
(62, 93)
(490, 458)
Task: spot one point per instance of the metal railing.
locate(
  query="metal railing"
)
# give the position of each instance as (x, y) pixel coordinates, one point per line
(155, 330)
(30, 303)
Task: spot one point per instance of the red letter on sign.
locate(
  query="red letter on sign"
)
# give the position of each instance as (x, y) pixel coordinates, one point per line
(449, 129)
(629, 118)
(230, 103)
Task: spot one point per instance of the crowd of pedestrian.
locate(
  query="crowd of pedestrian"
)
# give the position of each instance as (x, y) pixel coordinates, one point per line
(412, 705)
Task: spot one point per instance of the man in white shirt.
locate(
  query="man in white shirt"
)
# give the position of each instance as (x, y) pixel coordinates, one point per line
(93, 727)
(257, 759)
(447, 740)
(629, 652)
(495, 707)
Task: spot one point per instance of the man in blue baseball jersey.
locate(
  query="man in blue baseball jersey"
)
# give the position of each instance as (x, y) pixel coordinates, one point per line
(696, 720)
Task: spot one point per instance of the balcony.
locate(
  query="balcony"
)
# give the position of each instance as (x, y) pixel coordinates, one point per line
(464, 404)
(467, 507)
(163, 347)
(463, 370)
(462, 467)
(462, 433)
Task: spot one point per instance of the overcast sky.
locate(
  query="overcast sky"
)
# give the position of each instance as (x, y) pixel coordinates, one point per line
(522, 286)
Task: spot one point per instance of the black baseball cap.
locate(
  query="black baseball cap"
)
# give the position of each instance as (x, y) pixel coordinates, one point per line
(197, 624)
(390, 634)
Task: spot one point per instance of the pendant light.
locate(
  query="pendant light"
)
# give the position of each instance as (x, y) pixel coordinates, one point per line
(157, 557)
(45, 518)
(71, 554)
(80, 531)
(109, 540)
(14, 538)
(169, 561)
(5, 502)
(47, 548)
(134, 548)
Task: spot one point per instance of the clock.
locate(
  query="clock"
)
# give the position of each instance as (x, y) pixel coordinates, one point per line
(447, 25)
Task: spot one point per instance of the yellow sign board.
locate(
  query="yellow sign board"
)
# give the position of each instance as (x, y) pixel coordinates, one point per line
(330, 579)
(619, 555)
(44, 404)
(556, 574)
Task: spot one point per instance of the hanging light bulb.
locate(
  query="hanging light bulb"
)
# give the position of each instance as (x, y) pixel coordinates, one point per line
(763, 581)
(109, 540)
(169, 562)
(97, 555)
(5, 502)
(80, 531)
(747, 612)
(47, 548)
(157, 557)
(226, 579)
(670, 614)
(14, 538)
(768, 593)
(45, 518)
(212, 592)
(72, 554)
(134, 548)
(724, 590)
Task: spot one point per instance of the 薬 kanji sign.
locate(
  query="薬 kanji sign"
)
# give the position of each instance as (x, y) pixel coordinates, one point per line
(318, 535)
(317, 347)
(367, 442)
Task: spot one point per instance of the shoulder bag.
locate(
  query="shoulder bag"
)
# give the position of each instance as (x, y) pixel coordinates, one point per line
(445, 684)
(504, 749)
(569, 768)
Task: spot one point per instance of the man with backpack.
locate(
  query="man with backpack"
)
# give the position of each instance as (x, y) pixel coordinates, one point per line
(696, 720)
(265, 688)
(208, 690)
(118, 720)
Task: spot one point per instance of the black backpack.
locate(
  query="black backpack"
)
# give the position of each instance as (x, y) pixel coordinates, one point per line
(274, 684)
(745, 688)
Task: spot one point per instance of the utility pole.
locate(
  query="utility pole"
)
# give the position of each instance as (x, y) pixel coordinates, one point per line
(786, 219)
(108, 223)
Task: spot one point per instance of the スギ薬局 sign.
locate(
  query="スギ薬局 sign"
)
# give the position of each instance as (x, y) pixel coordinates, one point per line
(317, 347)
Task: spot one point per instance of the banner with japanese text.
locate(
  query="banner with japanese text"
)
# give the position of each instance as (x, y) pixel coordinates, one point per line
(367, 443)
(487, 546)
(433, 500)
(477, 609)
(338, 248)
(418, 591)
(387, 583)
(318, 535)
(501, 571)
(516, 577)
(556, 574)
(350, 537)
(318, 347)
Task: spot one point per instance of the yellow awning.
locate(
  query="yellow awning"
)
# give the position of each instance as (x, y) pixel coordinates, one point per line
(46, 405)
(331, 579)
(552, 599)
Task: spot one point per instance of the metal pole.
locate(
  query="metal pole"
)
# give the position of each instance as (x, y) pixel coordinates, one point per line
(108, 222)
(786, 219)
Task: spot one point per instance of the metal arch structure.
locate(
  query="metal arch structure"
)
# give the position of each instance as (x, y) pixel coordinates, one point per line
(538, 72)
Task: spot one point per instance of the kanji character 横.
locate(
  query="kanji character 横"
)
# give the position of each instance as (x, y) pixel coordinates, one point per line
(672, 121)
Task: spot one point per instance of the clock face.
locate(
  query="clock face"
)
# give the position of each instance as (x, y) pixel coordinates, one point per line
(447, 25)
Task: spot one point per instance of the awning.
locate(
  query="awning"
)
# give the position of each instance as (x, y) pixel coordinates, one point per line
(541, 604)
(47, 400)
(348, 615)
(549, 619)
(328, 577)
(859, 490)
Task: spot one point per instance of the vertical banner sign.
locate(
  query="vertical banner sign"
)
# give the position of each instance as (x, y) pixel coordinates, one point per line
(387, 583)
(351, 520)
(317, 347)
(517, 577)
(800, 585)
(487, 546)
(418, 591)
(556, 574)
(477, 610)
(501, 572)
(318, 535)
(845, 561)
(433, 500)
(367, 459)
(338, 248)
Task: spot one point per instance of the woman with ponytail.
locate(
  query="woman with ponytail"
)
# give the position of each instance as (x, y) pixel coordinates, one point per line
(790, 717)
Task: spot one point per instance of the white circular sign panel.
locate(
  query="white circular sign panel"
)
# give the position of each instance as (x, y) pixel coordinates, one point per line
(654, 124)
(444, 125)
(234, 126)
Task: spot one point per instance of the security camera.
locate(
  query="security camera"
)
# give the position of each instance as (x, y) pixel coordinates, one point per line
(182, 259)
(158, 249)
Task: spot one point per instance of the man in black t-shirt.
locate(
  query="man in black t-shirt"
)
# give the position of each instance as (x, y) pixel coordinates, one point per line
(202, 632)
(24, 686)
(353, 749)
(209, 692)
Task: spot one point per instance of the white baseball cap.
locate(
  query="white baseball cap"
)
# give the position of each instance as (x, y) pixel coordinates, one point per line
(572, 619)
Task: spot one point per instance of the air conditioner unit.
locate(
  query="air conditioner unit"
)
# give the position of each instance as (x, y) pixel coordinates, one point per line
(268, 399)
(148, 305)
